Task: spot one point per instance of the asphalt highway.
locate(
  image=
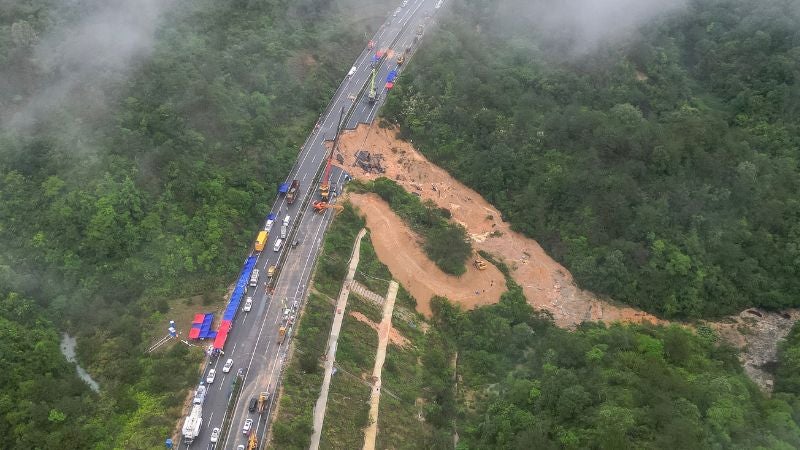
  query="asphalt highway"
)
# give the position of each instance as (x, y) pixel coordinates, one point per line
(253, 340)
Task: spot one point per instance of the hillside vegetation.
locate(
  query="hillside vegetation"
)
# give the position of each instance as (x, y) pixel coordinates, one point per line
(131, 178)
(661, 168)
(528, 384)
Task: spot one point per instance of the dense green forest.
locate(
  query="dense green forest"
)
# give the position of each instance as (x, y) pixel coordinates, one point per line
(525, 383)
(124, 184)
(661, 167)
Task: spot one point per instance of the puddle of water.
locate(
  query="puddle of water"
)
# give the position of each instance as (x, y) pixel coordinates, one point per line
(68, 349)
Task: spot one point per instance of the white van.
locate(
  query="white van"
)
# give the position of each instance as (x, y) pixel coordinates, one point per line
(278, 245)
(254, 277)
(352, 71)
(286, 220)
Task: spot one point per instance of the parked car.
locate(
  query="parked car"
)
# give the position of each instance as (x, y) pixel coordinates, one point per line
(211, 375)
(253, 404)
(227, 367)
(214, 435)
(248, 304)
(247, 425)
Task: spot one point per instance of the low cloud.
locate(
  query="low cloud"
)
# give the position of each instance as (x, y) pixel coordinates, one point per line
(75, 61)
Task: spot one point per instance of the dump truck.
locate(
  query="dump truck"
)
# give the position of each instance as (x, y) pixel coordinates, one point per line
(261, 239)
(281, 334)
(291, 194)
(263, 399)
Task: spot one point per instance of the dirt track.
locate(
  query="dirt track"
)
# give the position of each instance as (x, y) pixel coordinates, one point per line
(547, 284)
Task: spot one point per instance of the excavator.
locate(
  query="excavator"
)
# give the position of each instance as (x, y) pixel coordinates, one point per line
(252, 442)
(324, 185)
(373, 93)
(322, 206)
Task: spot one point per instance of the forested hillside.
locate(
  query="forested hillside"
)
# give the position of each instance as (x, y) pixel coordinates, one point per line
(660, 164)
(140, 145)
(525, 383)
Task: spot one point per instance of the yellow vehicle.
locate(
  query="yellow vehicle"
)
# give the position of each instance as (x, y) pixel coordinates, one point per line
(252, 442)
(479, 264)
(271, 271)
(261, 240)
(281, 334)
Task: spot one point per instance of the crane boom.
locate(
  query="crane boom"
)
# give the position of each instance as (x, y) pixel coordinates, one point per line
(324, 185)
(373, 93)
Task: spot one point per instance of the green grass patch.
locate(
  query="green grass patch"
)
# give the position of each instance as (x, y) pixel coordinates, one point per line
(372, 273)
(405, 299)
(366, 307)
(303, 377)
(446, 243)
(347, 413)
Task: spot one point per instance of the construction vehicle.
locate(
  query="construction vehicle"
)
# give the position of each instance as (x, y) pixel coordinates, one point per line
(401, 59)
(479, 264)
(191, 427)
(281, 334)
(324, 185)
(373, 92)
(263, 399)
(252, 442)
(261, 239)
(291, 194)
(322, 206)
(271, 271)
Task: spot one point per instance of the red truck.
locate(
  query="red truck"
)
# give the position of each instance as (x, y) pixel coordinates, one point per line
(291, 195)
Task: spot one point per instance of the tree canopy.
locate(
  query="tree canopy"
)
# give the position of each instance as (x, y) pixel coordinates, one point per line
(660, 168)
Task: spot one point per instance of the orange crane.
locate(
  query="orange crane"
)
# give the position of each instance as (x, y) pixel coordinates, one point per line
(324, 185)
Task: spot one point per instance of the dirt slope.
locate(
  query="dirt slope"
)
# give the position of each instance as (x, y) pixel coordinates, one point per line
(397, 247)
(546, 283)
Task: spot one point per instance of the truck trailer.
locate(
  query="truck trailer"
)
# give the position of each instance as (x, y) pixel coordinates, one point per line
(291, 194)
(192, 425)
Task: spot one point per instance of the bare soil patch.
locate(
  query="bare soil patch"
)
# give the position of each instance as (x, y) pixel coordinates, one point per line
(546, 283)
(398, 247)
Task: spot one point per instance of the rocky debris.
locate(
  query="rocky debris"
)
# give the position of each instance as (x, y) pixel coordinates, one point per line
(756, 333)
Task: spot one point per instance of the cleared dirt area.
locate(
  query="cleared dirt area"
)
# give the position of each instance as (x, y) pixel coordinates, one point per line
(547, 284)
(397, 247)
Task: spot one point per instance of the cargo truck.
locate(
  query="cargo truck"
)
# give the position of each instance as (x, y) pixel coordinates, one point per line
(262, 401)
(191, 427)
(291, 195)
(261, 239)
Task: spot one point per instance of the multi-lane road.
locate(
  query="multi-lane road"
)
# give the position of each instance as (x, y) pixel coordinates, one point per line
(253, 340)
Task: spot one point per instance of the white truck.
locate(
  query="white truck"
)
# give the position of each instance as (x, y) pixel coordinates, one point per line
(192, 425)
